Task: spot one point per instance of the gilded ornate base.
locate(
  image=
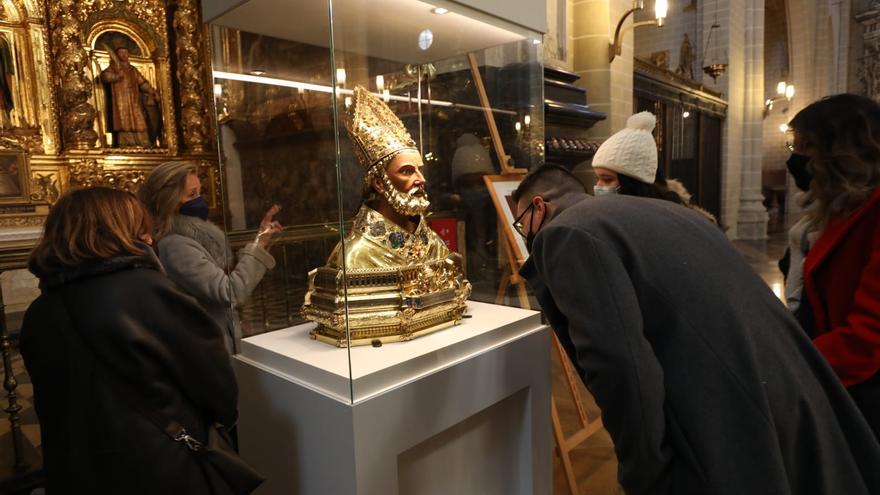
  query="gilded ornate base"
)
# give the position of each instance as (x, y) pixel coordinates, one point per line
(388, 305)
(368, 336)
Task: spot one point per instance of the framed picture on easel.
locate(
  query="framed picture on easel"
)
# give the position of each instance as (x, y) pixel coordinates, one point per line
(501, 189)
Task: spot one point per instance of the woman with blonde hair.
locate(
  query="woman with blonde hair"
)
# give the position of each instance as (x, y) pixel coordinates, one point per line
(838, 138)
(195, 252)
(103, 345)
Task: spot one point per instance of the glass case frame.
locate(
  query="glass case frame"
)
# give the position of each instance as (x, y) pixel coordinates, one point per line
(468, 87)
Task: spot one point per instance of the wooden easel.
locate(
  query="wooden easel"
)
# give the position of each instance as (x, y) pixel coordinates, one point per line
(564, 444)
(587, 427)
(509, 277)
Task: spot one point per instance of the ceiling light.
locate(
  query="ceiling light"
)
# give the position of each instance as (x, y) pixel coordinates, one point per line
(426, 39)
(257, 72)
(439, 10)
(783, 128)
(685, 114)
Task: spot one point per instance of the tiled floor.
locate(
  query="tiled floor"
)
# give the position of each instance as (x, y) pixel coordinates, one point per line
(594, 461)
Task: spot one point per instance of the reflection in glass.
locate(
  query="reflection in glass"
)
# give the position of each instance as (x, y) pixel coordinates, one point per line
(277, 133)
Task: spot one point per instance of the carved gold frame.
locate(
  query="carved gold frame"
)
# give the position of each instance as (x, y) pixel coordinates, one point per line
(34, 108)
(156, 68)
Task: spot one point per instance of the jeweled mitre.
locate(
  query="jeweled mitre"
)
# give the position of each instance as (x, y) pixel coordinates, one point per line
(376, 132)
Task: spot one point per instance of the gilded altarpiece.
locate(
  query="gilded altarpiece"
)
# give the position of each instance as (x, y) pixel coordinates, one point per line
(70, 114)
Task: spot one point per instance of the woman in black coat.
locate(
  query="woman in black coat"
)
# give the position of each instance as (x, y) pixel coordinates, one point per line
(109, 338)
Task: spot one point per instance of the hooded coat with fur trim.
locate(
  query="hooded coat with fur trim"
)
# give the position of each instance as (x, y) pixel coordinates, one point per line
(121, 323)
(197, 257)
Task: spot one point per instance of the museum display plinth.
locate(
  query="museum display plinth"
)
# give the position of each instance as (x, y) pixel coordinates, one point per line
(463, 410)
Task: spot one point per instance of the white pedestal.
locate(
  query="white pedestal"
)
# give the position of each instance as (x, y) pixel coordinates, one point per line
(461, 411)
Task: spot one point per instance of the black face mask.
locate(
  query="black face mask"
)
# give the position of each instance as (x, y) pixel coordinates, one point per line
(797, 167)
(530, 237)
(196, 207)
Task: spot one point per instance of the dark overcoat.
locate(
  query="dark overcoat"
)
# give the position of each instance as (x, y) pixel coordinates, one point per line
(121, 323)
(706, 383)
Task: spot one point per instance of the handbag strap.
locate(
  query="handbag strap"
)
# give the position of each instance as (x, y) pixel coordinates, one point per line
(174, 430)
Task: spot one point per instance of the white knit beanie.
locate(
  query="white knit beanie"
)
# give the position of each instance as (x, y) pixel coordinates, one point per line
(631, 151)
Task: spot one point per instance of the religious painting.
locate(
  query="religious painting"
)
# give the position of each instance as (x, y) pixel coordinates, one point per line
(14, 177)
(501, 189)
(7, 80)
(17, 92)
(127, 92)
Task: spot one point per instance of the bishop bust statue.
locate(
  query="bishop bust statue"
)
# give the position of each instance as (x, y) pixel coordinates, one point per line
(401, 280)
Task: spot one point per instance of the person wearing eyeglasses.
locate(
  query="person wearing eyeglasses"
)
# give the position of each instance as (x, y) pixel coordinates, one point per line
(706, 383)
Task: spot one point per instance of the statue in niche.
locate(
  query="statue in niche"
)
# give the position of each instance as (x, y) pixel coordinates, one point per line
(686, 58)
(134, 116)
(7, 73)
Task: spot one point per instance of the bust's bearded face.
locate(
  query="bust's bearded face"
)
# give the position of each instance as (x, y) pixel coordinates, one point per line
(403, 185)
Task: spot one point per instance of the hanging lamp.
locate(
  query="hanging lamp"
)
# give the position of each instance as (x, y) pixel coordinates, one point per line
(713, 65)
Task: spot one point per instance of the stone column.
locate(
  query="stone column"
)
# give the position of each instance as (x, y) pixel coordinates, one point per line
(74, 87)
(191, 76)
(609, 86)
(752, 216)
(741, 36)
(840, 13)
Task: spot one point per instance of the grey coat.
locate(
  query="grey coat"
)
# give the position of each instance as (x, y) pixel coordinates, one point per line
(706, 383)
(198, 258)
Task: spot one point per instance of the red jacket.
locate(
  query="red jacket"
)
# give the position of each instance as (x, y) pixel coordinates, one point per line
(842, 280)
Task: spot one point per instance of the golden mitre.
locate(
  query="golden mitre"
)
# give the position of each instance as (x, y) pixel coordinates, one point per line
(376, 132)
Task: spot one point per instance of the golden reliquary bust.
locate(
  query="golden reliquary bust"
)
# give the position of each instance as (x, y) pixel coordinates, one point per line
(400, 278)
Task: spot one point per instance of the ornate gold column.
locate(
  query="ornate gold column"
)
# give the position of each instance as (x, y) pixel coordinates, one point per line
(74, 87)
(190, 74)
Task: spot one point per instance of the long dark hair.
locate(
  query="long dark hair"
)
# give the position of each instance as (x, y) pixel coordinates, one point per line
(842, 132)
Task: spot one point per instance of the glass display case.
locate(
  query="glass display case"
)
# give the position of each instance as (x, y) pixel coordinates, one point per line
(336, 109)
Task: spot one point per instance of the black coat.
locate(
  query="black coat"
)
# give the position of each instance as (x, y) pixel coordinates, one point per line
(706, 383)
(121, 323)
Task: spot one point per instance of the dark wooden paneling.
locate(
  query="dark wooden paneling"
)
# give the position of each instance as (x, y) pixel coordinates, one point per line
(689, 148)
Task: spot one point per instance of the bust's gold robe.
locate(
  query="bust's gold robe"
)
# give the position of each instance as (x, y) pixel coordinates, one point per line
(396, 286)
(375, 242)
